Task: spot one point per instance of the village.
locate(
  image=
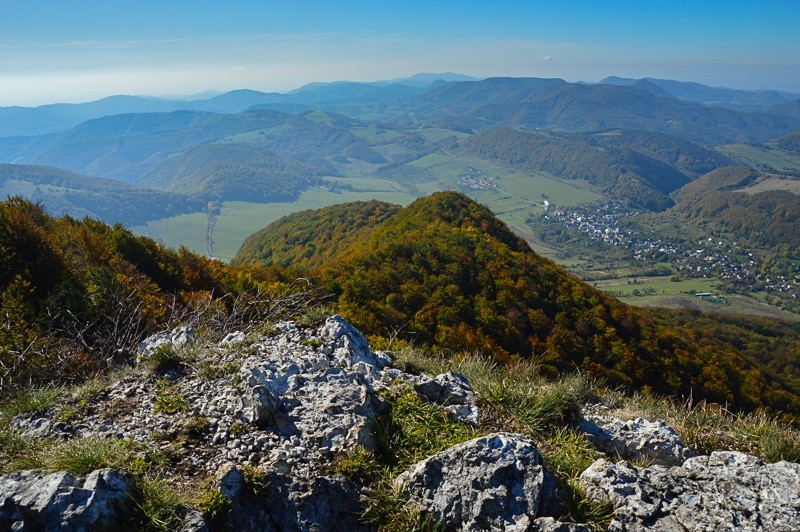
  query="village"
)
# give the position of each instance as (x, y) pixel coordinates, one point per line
(707, 258)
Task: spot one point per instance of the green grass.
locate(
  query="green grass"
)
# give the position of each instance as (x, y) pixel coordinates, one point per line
(359, 465)
(764, 157)
(662, 285)
(377, 135)
(238, 220)
(435, 134)
(168, 402)
(710, 427)
(774, 183)
(29, 400)
(158, 504)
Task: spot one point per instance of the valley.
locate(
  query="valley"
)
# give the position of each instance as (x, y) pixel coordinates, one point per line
(285, 266)
(604, 203)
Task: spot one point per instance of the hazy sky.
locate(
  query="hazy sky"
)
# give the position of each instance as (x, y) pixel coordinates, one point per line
(80, 50)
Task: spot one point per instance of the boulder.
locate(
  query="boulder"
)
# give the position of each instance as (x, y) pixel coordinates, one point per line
(346, 343)
(40, 500)
(291, 504)
(233, 338)
(724, 491)
(495, 482)
(638, 439)
(177, 338)
(453, 392)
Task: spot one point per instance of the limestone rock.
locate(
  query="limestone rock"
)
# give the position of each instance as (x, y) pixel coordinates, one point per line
(177, 338)
(724, 491)
(233, 338)
(453, 391)
(637, 439)
(488, 483)
(39, 500)
(346, 343)
(549, 524)
(291, 504)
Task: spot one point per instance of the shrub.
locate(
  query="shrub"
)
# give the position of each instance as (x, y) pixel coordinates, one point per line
(164, 358)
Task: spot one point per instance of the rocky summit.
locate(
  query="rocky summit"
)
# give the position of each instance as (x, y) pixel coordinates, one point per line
(271, 418)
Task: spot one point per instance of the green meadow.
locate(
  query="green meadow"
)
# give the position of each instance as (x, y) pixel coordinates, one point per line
(238, 219)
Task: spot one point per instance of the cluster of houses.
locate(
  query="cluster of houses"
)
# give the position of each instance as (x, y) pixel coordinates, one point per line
(475, 179)
(711, 258)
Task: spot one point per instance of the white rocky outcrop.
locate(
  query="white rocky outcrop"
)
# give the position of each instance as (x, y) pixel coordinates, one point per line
(637, 439)
(724, 491)
(292, 403)
(177, 338)
(488, 483)
(41, 500)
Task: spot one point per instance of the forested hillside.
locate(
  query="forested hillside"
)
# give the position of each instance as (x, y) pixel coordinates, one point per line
(111, 201)
(720, 201)
(73, 292)
(445, 272)
(231, 171)
(622, 173)
(790, 142)
(309, 239)
(573, 107)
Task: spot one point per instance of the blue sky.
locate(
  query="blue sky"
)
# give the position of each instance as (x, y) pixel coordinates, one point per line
(79, 50)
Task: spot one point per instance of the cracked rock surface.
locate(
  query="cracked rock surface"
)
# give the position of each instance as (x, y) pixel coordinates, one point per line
(724, 491)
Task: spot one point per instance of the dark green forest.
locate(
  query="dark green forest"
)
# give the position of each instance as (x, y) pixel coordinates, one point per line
(444, 272)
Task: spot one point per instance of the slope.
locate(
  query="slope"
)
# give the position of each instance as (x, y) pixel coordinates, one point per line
(310, 239)
(623, 174)
(444, 271)
(64, 192)
(124, 147)
(745, 203)
(233, 172)
(560, 106)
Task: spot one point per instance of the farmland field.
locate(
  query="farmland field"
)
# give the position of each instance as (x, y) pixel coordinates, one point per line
(759, 157)
(238, 220)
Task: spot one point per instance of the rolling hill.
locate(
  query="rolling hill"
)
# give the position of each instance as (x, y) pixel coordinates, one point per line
(790, 142)
(233, 172)
(309, 239)
(752, 206)
(560, 106)
(445, 272)
(64, 192)
(624, 174)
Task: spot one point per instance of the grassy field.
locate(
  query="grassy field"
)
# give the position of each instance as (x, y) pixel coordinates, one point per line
(674, 295)
(435, 134)
(520, 195)
(238, 220)
(662, 285)
(772, 157)
(775, 183)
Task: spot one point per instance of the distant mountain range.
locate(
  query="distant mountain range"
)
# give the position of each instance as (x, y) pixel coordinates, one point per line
(530, 102)
(696, 92)
(635, 141)
(26, 121)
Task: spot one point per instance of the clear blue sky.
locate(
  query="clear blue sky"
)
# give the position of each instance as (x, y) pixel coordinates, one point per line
(79, 50)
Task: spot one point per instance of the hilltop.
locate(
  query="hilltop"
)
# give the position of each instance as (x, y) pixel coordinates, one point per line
(445, 272)
(159, 390)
